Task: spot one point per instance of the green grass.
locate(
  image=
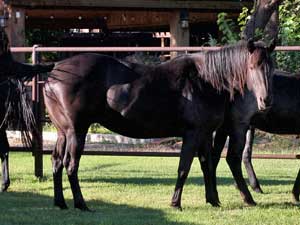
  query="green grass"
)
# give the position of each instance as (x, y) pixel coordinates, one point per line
(137, 190)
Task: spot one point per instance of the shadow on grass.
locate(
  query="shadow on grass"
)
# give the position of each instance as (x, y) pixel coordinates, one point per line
(278, 205)
(223, 181)
(100, 167)
(31, 208)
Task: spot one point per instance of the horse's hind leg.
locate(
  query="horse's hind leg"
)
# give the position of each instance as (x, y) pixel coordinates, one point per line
(74, 148)
(296, 189)
(57, 164)
(4, 148)
(209, 174)
(247, 154)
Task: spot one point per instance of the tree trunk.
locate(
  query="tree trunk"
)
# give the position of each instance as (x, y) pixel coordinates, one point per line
(265, 14)
(272, 28)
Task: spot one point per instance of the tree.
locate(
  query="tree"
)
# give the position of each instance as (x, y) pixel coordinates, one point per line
(264, 19)
(287, 32)
(263, 23)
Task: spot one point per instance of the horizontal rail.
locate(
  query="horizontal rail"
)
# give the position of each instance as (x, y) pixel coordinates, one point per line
(131, 49)
(111, 49)
(159, 153)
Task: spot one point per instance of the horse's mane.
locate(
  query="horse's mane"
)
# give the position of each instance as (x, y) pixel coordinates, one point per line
(224, 69)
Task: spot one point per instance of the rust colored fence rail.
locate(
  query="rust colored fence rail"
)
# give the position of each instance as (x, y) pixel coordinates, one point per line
(36, 84)
(129, 49)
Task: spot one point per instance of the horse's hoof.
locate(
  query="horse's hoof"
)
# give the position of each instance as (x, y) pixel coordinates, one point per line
(250, 203)
(296, 198)
(4, 187)
(61, 205)
(213, 200)
(82, 207)
(176, 206)
(214, 203)
(258, 190)
(296, 203)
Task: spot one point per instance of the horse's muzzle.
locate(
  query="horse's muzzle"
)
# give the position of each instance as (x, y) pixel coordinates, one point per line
(265, 104)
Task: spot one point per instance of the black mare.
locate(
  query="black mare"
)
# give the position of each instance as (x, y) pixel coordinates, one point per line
(282, 118)
(13, 106)
(185, 97)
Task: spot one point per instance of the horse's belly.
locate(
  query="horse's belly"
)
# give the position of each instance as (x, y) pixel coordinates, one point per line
(278, 124)
(151, 128)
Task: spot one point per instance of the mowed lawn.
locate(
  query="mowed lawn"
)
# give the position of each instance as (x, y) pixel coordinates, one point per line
(138, 190)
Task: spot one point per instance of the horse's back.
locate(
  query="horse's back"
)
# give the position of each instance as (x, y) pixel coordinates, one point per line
(94, 68)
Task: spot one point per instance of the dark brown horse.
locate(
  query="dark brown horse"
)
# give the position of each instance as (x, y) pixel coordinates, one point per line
(282, 118)
(185, 97)
(15, 110)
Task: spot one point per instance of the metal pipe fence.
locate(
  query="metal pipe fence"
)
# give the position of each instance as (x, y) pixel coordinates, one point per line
(129, 49)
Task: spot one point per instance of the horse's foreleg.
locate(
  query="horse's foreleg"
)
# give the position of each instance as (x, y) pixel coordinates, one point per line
(209, 172)
(57, 164)
(75, 145)
(234, 160)
(247, 155)
(4, 161)
(296, 188)
(186, 158)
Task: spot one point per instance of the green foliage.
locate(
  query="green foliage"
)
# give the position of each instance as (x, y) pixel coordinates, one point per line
(49, 127)
(227, 27)
(44, 37)
(290, 22)
(289, 34)
(212, 41)
(243, 18)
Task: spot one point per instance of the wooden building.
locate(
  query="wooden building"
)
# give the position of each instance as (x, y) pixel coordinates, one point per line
(178, 17)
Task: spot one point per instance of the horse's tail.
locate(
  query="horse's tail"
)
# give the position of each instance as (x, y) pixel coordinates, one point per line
(19, 113)
(43, 68)
(27, 72)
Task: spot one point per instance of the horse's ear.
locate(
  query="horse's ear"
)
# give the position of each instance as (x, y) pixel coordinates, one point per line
(272, 45)
(251, 45)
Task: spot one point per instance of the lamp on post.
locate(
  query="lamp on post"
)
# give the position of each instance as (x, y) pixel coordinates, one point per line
(4, 20)
(184, 18)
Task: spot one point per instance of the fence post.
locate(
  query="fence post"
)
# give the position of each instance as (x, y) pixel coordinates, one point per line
(37, 135)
